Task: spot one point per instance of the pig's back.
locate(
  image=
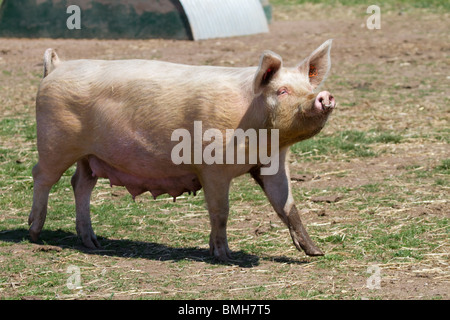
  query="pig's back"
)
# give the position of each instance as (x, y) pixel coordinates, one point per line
(156, 88)
(166, 73)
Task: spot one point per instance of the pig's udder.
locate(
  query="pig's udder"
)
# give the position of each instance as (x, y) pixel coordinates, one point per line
(136, 185)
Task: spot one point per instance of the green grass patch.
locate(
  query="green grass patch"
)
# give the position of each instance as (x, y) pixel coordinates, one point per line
(444, 167)
(349, 143)
(23, 127)
(372, 187)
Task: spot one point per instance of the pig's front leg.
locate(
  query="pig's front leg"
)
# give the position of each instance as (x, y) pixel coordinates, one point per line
(216, 190)
(277, 188)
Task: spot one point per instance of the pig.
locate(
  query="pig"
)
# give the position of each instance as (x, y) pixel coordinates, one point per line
(115, 120)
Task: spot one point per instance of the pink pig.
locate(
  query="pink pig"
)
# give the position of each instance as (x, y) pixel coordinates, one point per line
(116, 120)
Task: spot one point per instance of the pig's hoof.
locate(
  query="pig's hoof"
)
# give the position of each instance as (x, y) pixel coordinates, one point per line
(90, 240)
(34, 235)
(309, 248)
(223, 257)
(314, 252)
(87, 235)
(36, 225)
(220, 252)
(34, 231)
(91, 243)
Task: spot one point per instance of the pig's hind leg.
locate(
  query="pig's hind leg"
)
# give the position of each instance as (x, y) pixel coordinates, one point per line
(83, 182)
(41, 190)
(45, 175)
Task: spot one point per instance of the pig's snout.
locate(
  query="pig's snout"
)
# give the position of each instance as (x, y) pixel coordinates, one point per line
(324, 101)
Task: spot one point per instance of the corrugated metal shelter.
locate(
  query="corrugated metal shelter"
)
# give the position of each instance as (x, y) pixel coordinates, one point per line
(226, 18)
(139, 19)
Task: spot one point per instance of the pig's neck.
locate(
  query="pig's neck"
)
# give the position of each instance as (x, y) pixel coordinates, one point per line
(256, 116)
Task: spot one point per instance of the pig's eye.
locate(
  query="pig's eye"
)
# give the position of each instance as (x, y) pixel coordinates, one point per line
(282, 91)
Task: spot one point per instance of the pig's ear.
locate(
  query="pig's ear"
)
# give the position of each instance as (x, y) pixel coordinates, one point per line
(318, 64)
(269, 65)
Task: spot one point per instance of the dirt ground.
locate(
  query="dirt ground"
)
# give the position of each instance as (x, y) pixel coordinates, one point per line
(395, 79)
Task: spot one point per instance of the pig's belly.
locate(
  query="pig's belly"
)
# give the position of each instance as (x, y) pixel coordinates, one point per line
(173, 185)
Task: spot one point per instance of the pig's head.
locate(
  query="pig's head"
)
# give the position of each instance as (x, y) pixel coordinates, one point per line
(293, 101)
